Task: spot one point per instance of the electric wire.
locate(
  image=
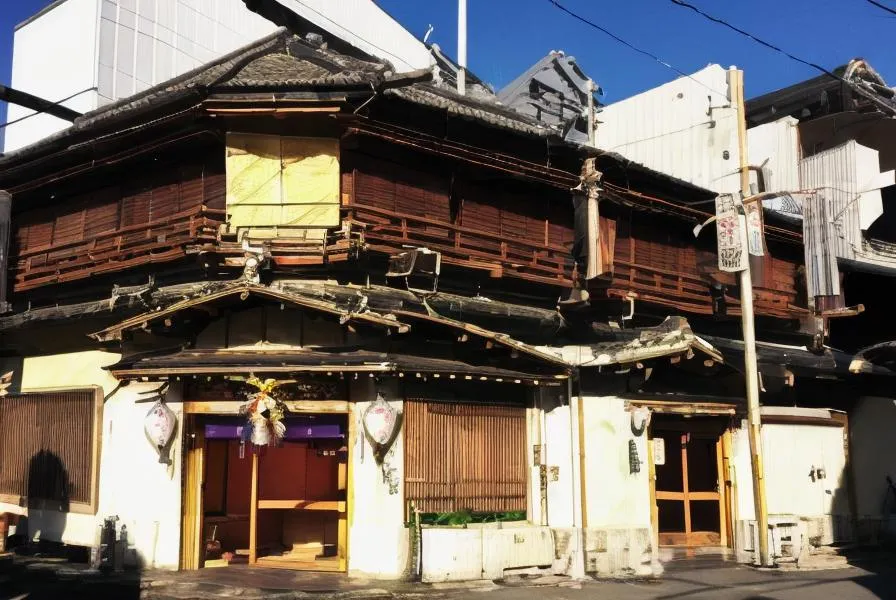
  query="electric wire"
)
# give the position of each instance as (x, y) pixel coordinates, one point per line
(882, 6)
(760, 41)
(631, 46)
(43, 111)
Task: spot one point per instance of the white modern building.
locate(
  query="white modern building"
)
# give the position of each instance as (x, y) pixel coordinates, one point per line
(87, 53)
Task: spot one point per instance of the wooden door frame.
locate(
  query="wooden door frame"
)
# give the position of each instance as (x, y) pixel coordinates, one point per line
(194, 476)
(192, 517)
(725, 494)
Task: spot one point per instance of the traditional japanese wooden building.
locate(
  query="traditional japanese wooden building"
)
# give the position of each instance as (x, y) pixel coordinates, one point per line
(436, 302)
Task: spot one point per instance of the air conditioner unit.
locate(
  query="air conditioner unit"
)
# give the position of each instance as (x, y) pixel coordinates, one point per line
(419, 267)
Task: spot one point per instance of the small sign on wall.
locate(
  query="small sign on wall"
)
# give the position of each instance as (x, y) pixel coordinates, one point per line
(659, 451)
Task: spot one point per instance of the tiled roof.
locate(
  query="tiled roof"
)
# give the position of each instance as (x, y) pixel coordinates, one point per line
(284, 61)
(487, 111)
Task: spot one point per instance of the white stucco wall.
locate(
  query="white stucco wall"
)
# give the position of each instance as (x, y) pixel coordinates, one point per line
(743, 473)
(558, 456)
(378, 541)
(791, 453)
(133, 485)
(614, 496)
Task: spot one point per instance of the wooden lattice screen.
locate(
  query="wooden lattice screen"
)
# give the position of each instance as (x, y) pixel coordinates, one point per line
(465, 457)
(48, 447)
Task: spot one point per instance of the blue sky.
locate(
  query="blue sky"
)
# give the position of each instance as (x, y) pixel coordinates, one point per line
(506, 36)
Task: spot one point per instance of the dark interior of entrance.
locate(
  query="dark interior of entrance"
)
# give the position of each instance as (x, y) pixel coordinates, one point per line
(300, 495)
(689, 484)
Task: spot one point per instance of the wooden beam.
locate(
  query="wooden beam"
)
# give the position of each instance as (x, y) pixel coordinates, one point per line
(326, 505)
(232, 407)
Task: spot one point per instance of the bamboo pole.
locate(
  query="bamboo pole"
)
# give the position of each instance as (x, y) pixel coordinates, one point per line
(751, 367)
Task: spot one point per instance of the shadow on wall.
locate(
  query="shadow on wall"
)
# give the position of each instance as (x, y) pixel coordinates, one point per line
(872, 463)
(870, 497)
(49, 497)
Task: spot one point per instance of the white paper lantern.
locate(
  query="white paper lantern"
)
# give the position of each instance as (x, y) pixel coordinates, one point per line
(379, 422)
(159, 426)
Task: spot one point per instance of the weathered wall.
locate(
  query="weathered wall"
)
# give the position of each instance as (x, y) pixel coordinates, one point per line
(615, 497)
(377, 540)
(618, 537)
(815, 502)
(133, 485)
(558, 459)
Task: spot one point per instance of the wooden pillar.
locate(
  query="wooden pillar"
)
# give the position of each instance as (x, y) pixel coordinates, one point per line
(191, 556)
(253, 513)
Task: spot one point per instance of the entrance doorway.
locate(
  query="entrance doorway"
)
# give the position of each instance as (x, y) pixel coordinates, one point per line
(691, 499)
(282, 506)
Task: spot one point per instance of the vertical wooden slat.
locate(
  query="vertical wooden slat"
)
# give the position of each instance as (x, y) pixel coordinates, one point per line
(48, 447)
(465, 456)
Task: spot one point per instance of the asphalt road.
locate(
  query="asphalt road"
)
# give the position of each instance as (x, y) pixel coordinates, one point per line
(728, 583)
(687, 580)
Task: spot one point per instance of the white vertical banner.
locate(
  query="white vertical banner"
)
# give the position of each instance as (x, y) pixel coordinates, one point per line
(731, 234)
(755, 228)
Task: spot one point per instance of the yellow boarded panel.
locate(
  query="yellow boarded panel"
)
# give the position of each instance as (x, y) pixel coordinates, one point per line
(253, 169)
(313, 215)
(310, 170)
(244, 215)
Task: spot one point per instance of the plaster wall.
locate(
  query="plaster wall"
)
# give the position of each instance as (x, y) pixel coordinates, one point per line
(615, 497)
(618, 539)
(378, 542)
(558, 459)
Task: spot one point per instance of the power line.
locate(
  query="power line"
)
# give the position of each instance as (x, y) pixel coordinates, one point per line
(755, 39)
(40, 112)
(631, 46)
(882, 6)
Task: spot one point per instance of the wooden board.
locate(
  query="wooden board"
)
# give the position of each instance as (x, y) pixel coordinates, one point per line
(191, 523)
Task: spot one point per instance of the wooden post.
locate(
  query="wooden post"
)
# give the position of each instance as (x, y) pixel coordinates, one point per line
(192, 542)
(654, 508)
(253, 513)
(685, 488)
(723, 513)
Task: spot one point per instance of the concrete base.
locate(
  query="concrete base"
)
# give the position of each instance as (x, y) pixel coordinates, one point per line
(609, 552)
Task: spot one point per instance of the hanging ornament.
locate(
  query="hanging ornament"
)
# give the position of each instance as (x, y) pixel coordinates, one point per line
(640, 418)
(380, 423)
(159, 426)
(264, 414)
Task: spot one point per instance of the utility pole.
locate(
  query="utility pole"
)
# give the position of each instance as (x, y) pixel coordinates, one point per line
(462, 47)
(751, 368)
(592, 133)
